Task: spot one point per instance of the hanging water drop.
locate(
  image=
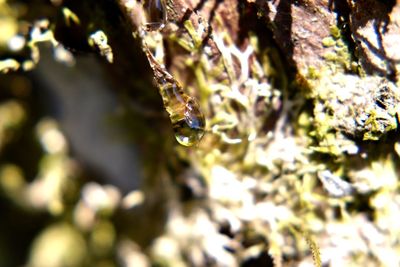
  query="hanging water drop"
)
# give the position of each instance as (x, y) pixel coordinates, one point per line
(155, 15)
(190, 129)
(184, 112)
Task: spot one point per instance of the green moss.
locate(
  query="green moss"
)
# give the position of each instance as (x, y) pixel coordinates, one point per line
(313, 73)
(335, 32)
(196, 38)
(377, 124)
(331, 56)
(340, 57)
(328, 42)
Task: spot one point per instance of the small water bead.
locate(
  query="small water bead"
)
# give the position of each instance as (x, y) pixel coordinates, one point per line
(190, 129)
(187, 120)
(155, 15)
(184, 112)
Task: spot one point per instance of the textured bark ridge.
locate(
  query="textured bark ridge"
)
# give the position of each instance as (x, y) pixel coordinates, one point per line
(376, 30)
(299, 28)
(370, 28)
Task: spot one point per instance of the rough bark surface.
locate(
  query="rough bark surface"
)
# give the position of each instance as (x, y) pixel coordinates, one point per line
(299, 29)
(300, 161)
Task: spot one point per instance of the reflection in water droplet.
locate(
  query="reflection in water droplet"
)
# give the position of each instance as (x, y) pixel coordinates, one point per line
(184, 112)
(190, 130)
(155, 15)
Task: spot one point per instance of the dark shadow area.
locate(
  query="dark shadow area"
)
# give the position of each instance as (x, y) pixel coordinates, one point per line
(351, 19)
(277, 33)
(19, 228)
(263, 260)
(343, 12)
(283, 22)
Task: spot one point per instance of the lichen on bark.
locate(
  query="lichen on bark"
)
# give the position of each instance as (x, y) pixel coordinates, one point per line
(299, 163)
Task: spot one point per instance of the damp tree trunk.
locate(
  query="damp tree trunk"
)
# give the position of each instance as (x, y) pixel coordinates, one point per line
(331, 69)
(300, 155)
(321, 76)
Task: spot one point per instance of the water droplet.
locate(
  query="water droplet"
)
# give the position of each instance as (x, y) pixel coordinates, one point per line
(190, 129)
(184, 112)
(155, 15)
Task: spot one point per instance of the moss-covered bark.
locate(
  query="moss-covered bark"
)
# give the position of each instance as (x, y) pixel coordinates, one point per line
(299, 163)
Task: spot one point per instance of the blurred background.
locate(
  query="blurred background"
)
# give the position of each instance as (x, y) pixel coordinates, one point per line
(71, 149)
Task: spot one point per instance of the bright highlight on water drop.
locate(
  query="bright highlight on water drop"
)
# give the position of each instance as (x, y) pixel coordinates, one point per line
(184, 112)
(155, 15)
